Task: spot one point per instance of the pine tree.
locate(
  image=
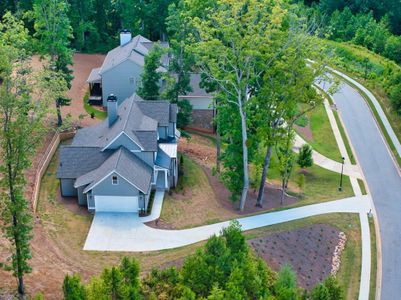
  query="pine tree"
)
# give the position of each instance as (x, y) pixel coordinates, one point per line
(150, 78)
(72, 288)
(305, 159)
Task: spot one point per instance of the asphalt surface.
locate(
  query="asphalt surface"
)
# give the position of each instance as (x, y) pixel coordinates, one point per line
(383, 179)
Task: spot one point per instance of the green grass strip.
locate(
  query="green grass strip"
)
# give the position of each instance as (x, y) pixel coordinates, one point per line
(362, 186)
(373, 270)
(340, 128)
(98, 114)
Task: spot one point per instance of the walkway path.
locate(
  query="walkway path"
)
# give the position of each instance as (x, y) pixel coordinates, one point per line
(327, 163)
(125, 232)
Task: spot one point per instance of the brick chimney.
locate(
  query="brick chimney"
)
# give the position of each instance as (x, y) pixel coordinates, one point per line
(112, 106)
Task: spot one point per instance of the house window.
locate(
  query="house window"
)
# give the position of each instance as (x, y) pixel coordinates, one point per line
(114, 180)
(132, 80)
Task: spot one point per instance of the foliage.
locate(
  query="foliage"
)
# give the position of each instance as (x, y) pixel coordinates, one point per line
(184, 116)
(305, 159)
(73, 288)
(232, 51)
(53, 29)
(345, 22)
(151, 75)
(21, 128)
(224, 268)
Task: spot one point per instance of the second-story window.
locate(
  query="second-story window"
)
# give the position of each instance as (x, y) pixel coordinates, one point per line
(114, 180)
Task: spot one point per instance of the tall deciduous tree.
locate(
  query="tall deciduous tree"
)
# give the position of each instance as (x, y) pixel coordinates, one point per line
(286, 93)
(53, 29)
(232, 50)
(21, 126)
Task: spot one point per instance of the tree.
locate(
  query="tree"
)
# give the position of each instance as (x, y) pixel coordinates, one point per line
(286, 160)
(113, 281)
(232, 52)
(286, 86)
(130, 273)
(305, 159)
(184, 116)
(21, 128)
(72, 288)
(150, 78)
(54, 31)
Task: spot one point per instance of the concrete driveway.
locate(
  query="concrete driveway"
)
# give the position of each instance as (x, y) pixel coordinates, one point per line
(126, 232)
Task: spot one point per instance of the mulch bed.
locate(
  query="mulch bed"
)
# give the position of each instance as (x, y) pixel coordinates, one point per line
(308, 250)
(306, 132)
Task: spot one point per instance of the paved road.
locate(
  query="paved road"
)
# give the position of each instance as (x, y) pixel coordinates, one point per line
(383, 179)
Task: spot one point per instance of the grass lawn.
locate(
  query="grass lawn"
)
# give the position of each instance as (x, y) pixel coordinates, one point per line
(67, 226)
(373, 273)
(350, 268)
(90, 109)
(193, 202)
(320, 184)
(323, 140)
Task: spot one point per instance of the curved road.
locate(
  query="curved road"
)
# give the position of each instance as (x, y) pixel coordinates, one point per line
(382, 177)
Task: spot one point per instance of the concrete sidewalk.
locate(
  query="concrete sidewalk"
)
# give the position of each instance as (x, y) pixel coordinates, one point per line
(327, 163)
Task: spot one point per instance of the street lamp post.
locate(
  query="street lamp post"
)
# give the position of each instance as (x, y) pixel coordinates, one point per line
(340, 188)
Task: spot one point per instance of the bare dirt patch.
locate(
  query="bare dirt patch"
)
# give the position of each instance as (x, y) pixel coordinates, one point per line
(309, 250)
(83, 65)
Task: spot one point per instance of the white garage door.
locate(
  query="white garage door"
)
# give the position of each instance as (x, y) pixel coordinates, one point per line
(116, 204)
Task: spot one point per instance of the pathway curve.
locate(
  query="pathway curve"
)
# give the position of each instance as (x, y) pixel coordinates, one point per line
(126, 232)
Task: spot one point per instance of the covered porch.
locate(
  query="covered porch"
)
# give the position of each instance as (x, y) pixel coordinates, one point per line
(95, 87)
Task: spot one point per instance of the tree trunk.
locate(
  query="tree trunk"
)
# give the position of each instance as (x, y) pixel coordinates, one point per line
(266, 163)
(244, 159)
(20, 277)
(218, 150)
(283, 188)
(59, 118)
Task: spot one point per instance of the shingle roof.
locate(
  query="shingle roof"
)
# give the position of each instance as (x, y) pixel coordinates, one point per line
(94, 76)
(138, 119)
(126, 164)
(135, 50)
(76, 161)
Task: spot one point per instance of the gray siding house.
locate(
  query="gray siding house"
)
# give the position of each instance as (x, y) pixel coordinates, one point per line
(120, 74)
(114, 165)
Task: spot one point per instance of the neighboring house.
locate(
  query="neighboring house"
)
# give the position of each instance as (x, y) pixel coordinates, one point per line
(120, 74)
(203, 106)
(114, 165)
